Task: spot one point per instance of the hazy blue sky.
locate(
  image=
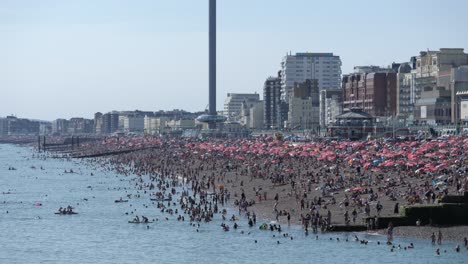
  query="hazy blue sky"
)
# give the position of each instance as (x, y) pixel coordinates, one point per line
(64, 58)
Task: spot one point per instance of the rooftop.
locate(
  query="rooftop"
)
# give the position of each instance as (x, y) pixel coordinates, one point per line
(355, 114)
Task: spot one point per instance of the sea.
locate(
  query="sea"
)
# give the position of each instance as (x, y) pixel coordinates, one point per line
(30, 232)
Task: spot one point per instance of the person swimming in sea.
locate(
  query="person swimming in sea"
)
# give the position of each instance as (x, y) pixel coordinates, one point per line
(136, 219)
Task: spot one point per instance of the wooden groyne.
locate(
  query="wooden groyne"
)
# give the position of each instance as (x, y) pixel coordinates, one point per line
(62, 144)
(347, 228)
(451, 211)
(110, 153)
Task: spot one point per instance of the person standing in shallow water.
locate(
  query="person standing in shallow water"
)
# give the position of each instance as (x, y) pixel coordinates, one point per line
(433, 238)
(439, 238)
(390, 232)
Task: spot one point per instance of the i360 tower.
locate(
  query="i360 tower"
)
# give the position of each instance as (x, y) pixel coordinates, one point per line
(212, 118)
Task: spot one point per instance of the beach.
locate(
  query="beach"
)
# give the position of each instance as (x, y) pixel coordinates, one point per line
(316, 185)
(202, 218)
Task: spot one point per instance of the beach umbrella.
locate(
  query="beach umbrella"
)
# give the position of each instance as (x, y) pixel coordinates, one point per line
(442, 157)
(366, 165)
(239, 157)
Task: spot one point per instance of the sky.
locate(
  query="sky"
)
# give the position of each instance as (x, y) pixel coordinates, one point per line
(72, 58)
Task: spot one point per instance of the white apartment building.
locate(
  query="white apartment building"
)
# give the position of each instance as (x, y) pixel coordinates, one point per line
(324, 67)
(233, 104)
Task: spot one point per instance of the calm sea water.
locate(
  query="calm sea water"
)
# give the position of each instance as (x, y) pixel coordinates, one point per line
(100, 232)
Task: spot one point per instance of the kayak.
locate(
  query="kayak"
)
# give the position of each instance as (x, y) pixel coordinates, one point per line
(121, 201)
(135, 222)
(59, 213)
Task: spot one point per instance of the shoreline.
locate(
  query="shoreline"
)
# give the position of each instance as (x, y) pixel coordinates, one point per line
(454, 234)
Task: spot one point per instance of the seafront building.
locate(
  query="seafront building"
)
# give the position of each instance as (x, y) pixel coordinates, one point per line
(80, 126)
(459, 90)
(354, 124)
(59, 126)
(98, 123)
(406, 95)
(110, 122)
(372, 89)
(233, 104)
(331, 105)
(252, 114)
(325, 68)
(181, 124)
(433, 77)
(271, 101)
(130, 123)
(3, 127)
(154, 125)
(12, 125)
(308, 93)
(434, 106)
(304, 106)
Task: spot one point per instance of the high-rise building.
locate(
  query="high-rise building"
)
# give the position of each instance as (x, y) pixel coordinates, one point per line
(271, 102)
(323, 67)
(110, 122)
(98, 123)
(233, 104)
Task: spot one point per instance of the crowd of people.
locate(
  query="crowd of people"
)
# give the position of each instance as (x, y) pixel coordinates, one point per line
(315, 184)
